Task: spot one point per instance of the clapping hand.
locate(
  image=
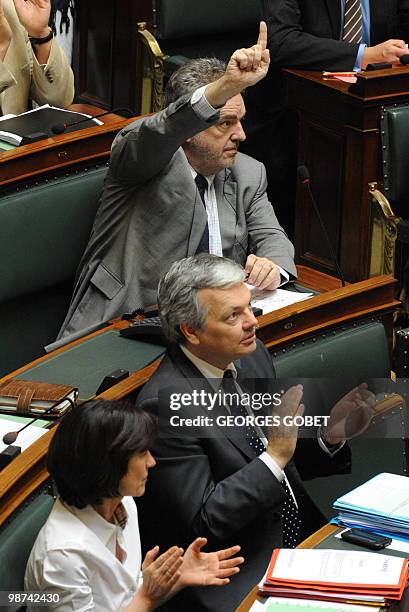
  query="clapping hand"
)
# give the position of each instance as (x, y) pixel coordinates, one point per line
(34, 16)
(351, 415)
(205, 569)
(282, 438)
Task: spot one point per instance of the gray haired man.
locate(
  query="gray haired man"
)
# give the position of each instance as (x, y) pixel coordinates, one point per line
(209, 481)
(177, 186)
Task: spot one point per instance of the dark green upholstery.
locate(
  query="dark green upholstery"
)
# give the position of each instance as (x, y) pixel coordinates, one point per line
(17, 537)
(395, 156)
(359, 351)
(44, 229)
(216, 28)
(394, 129)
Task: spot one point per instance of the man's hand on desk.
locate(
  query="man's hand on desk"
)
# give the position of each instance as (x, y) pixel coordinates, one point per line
(262, 273)
(389, 51)
(282, 439)
(5, 33)
(350, 416)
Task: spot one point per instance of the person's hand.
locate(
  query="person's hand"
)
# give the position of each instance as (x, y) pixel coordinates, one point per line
(5, 33)
(282, 438)
(34, 16)
(160, 574)
(389, 51)
(246, 67)
(262, 273)
(205, 569)
(350, 416)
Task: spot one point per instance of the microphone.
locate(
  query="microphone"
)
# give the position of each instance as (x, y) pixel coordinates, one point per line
(11, 436)
(404, 59)
(304, 178)
(59, 128)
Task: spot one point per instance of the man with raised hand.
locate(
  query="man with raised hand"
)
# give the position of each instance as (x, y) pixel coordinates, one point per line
(177, 186)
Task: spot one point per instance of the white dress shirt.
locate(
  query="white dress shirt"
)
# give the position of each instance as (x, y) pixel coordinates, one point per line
(205, 111)
(74, 556)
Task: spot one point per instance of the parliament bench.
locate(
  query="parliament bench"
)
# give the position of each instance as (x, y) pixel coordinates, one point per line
(44, 229)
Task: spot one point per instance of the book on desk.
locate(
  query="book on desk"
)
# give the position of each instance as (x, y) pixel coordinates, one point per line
(41, 120)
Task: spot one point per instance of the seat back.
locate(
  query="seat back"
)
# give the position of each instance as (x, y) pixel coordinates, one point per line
(390, 235)
(44, 229)
(17, 537)
(188, 29)
(342, 353)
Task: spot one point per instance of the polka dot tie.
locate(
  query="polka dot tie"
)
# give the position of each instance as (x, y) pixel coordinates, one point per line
(291, 516)
(237, 409)
(291, 519)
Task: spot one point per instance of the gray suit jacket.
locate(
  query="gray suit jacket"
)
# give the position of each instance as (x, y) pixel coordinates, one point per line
(151, 215)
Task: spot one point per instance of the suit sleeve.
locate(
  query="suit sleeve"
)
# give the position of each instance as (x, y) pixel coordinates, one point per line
(293, 46)
(144, 148)
(213, 509)
(266, 236)
(53, 83)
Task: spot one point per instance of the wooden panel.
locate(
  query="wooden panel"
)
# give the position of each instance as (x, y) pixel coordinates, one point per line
(340, 143)
(104, 56)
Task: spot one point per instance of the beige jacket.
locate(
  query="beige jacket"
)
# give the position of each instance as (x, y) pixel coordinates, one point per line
(22, 78)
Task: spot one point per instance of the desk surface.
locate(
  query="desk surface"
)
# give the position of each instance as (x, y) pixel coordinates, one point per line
(61, 151)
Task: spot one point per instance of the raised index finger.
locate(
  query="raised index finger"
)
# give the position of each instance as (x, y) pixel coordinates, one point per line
(262, 36)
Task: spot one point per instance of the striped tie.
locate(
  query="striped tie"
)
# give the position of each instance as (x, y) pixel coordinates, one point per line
(352, 22)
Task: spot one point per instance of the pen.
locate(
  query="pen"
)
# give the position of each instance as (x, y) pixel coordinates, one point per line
(338, 74)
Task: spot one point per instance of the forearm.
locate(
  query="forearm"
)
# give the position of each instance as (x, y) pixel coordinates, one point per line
(266, 236)
(52, 80)
(140, 603)
(145, 147)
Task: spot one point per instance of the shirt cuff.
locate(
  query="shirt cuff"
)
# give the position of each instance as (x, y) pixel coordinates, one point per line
(201, 106)
(285, 277)
(359, 57)
(272, 466)
(329, 449)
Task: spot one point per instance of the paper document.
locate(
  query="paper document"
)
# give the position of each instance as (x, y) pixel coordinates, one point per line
(268, 301)
(385, 494)
(282, 604)
(27, 437)
(337, 567)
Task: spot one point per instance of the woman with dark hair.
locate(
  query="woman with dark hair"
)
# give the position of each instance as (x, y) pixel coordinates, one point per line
(88, 554)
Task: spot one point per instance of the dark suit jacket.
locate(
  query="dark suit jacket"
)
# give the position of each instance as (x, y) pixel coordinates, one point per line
(305, 34)
(216, 487)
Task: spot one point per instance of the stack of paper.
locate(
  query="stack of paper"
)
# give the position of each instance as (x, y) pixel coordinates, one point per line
(336, 575)
(267, 301)
(380, 505)
(282, 604)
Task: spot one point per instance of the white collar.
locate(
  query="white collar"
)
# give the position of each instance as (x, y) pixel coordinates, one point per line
(209, 179)
(103, 529)
(207, 369)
